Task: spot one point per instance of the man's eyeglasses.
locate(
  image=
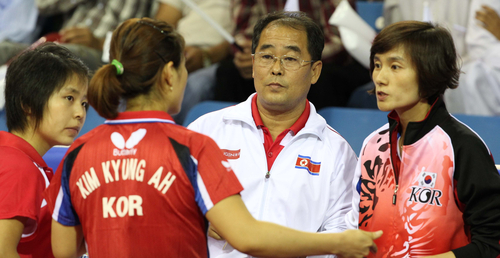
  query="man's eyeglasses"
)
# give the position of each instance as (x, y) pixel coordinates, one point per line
(290, 63)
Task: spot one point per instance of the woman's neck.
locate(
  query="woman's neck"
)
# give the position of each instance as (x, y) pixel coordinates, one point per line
(145, 103)
(417, 113)
(35, 140)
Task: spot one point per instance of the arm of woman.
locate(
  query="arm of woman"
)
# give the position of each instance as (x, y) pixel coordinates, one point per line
(477, 193)
(67, 241)
(11, 231)
(234, 223)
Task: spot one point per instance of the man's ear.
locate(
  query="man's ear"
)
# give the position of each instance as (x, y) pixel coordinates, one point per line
(316, 71)
(168, 73)
(253, 66)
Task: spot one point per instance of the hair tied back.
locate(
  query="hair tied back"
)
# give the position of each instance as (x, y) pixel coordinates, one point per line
(119, 66)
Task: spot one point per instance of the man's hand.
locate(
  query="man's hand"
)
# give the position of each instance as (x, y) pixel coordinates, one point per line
(213, 233)
(490, 20)
(81, 36)
(194, 58)
(358, 243)
(243, 60)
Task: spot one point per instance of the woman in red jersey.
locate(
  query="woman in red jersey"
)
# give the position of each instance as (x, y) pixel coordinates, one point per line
(142, 186)
(425, 178)
(46, 104)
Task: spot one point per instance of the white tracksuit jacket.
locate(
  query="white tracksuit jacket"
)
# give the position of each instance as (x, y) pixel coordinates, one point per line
(291, 196)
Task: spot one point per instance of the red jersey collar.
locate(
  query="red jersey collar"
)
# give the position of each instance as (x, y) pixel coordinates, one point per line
(295, 128)
(394, 115)
(11, 140)
(143, 114)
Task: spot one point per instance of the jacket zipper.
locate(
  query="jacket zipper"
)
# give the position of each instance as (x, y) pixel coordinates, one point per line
(395, 194)
(396, 175)
(266, 184)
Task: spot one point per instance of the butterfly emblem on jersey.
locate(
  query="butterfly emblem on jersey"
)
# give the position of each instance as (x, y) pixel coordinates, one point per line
(226, 165)
(305, 162)
(427, 179)
(127, 148)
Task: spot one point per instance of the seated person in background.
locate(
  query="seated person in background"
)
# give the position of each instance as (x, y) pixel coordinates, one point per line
(170, 181)
(201, 38)
(85, 28)
(18, 21)
(205, 47)
(296, 171)
(479, 91)
(424, 178)
(488, 19)
(46, 105)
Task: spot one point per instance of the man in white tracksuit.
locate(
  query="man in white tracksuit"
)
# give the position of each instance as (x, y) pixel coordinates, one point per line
(296, 170)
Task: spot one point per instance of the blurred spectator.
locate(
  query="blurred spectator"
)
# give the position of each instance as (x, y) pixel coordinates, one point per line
(18, 19)
(205, 47)
(451, 14)
(85, 26)
(479, 87)
(200, 37)
(489, 20)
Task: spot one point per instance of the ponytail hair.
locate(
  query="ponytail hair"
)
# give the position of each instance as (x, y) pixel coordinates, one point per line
(143, 46)
(104, 91)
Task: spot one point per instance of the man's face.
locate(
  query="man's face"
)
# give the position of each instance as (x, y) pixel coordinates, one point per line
(281, 89)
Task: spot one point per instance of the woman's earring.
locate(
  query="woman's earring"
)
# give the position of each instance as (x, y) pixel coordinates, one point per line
(171, 88)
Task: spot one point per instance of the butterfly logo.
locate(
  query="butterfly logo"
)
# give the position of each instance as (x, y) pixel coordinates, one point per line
(124, 148)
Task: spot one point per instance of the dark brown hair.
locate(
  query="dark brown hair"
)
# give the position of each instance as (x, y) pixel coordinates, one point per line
(143, 46)
(431, 51)
(33, 77)
(295, 20)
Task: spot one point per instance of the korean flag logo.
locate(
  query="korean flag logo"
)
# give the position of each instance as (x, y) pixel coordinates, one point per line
(305, 162)
(427, 179)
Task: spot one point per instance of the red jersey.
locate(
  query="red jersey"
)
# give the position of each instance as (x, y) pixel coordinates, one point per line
(140, 186)
(23, 178)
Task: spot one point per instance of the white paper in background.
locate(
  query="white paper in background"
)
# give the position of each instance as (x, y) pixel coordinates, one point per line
(292, 6)
(356, 34)
(106, 47)
(3, 72)
(427, 14)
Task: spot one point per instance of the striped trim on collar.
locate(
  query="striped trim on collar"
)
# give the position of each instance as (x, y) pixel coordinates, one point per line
(138, 120)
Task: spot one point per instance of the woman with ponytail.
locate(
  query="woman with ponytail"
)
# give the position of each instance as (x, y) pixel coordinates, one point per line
(142, 186)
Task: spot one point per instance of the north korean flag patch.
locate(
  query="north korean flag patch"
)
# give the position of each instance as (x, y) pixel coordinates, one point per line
(427, 179)
(305, 162)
